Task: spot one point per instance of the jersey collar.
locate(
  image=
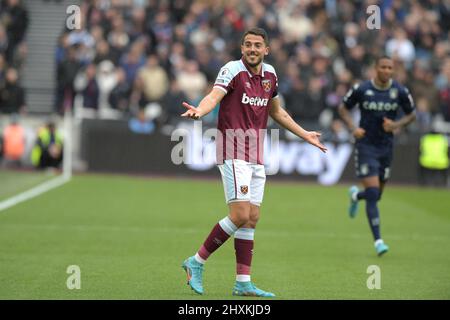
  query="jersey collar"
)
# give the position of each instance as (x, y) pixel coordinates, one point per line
(381, 89)
(251, 74)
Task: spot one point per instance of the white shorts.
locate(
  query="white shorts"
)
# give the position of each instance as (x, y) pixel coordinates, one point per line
(243, 181)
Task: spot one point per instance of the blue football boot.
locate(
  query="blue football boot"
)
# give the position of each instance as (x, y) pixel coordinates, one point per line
(353, 208)
(381, 248)
(194, 272)
(249, 289)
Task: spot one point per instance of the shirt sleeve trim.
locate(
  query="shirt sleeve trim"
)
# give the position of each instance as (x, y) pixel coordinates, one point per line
(218, 86)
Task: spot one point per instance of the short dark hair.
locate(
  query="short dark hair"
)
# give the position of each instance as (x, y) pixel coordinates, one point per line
(379, 58)
(257, 32)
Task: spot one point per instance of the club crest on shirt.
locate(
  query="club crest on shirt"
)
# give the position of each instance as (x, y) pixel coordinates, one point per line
(244, 189)
(393, 93)
(267, 85)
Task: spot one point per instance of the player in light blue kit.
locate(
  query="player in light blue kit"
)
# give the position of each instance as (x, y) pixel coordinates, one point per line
(379, 100)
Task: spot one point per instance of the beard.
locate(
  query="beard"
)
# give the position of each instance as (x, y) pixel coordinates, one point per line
(253, 64)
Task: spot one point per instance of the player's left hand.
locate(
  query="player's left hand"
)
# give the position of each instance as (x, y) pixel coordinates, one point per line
(389, 125)
(312, 137)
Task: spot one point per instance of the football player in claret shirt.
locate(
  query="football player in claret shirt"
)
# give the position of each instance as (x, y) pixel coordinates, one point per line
(379, 101)
(247, 92)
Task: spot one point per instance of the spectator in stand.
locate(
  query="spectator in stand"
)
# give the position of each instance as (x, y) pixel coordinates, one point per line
(140, 124)
(84, 42)
(119, 97)
(48, 149)
(304, 60)
(439, 57)
(138, 23)
(356, 59)
(294, 24)
(308, 103)
(12, 96)
(162, 27)
(443, 78)
(445, 102)
(400, 46)
(97, 34)
(13, 143)
(207, 63)
(89, 88)
(62, 48)
(132, 62)
(155, 80)
(81, 37)
(171, 102)
(103, 53)
(118, 38)
(15, 18)
(443, 83)
(191, 81)
(106, 80)
(66, 73)
(4, 42)
(421, 84)
(3, 68)
(19, 58)
(423, 115)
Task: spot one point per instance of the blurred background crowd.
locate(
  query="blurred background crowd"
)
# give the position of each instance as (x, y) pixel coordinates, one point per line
(138, 60)
(149, 55)
(13, 52)
(143, 57)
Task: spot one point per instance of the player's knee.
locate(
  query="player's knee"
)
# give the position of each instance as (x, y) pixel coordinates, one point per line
(373, 194)
(253, 220)
(240, 214)
(243, 217)
(254, 213)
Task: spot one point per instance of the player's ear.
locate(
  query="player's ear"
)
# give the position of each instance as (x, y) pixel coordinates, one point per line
(267, 51)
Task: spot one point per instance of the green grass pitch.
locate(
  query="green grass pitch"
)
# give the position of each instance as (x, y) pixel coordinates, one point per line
(130, 235)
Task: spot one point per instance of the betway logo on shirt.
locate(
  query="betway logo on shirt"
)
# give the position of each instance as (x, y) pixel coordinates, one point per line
(255, 101)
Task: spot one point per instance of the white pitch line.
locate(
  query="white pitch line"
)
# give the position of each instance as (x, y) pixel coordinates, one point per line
(34, 192)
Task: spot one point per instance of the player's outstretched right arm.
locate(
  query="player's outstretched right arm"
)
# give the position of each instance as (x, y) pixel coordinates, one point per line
(206, 105)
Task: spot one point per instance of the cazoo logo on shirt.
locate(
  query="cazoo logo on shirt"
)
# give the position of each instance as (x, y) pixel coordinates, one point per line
(380, 106)
(255, 101)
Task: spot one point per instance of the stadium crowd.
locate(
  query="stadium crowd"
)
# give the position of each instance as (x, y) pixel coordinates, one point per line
(13, 52)
(150, 54)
